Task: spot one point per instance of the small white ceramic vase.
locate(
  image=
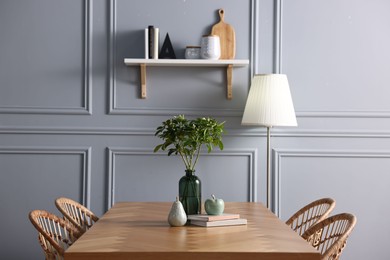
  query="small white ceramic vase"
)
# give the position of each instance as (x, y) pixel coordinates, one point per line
(210, 47)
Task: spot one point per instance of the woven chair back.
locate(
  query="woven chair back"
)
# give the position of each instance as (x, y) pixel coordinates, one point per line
(55, 234)
(76, 213)
(311, 214)
(330, 235)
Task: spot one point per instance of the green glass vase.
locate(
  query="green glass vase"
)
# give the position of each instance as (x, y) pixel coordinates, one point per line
(190, 190)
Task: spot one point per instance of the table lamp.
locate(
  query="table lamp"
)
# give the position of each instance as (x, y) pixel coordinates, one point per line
(269, 104)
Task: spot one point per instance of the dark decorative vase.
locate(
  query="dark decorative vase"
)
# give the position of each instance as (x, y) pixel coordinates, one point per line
(190, 191)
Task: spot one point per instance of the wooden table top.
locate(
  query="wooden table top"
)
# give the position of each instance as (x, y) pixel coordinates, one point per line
(140, 230)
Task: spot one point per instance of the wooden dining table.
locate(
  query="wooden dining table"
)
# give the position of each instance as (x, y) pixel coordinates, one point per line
(140, 230)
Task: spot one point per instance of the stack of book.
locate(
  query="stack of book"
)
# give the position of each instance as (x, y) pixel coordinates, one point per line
(226, 219)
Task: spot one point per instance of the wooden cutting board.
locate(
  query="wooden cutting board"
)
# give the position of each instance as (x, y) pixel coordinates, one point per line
(227, 37)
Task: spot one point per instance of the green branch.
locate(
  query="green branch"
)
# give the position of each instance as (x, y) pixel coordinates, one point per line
(186, 137)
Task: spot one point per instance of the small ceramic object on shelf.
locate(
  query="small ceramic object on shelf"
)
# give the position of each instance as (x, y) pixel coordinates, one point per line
(192, 52)
(177, 216)
(214, 206)
(210, 47)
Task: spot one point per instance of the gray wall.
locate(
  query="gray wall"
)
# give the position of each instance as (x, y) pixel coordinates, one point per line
(72, 123)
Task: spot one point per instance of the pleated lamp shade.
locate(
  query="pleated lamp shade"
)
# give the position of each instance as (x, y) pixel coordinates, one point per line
(269, 102)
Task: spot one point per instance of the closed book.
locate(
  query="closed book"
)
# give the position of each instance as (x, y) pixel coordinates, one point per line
(206, 217)
(220, 223)
(156, 42)
(150, 41)
(146, 43)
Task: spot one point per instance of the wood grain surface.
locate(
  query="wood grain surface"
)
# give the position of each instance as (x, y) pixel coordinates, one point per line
(139, 230)
(226, 35)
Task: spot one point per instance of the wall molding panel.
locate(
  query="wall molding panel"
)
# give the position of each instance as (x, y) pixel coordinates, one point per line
(344, 114)
(255, 41)
(278, 34)
(278, 68)
(112, 152)
(85, 152)
(115, 109)
(277, 164)
(86, 109)
(134, 131)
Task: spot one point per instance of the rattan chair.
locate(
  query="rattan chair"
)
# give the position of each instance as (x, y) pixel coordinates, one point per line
(55, 235)
(330, 235)
(75, 213)
(310, 214)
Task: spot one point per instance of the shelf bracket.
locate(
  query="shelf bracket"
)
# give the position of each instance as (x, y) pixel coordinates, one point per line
(142, 68)
(229, 88)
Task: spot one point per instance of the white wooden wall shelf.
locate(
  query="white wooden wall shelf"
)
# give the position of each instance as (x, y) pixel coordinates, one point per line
(229, 64)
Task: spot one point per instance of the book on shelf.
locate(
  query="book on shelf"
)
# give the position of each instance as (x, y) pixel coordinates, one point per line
(220, 223)
(146, 43)
(152, 38)
(206, 217)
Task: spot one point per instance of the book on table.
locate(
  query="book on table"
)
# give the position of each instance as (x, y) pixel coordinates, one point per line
(219, 223)
(206, 217)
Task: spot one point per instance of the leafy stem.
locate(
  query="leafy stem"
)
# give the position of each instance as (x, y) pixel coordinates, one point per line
(186, 137)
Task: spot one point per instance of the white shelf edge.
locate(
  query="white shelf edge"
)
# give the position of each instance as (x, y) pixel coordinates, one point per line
(185, 62)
